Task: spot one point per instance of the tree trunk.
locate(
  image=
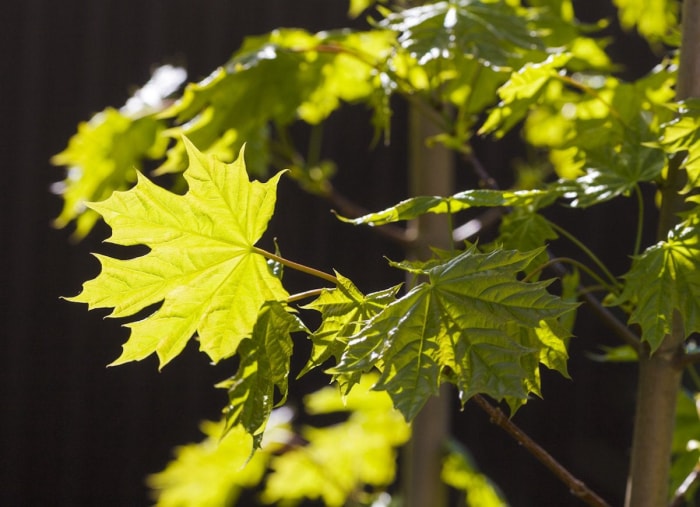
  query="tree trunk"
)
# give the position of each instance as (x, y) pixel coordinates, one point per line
(431, 173)
(659, 378)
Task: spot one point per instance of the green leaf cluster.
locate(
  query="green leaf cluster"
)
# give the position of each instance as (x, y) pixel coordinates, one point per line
(478, 316)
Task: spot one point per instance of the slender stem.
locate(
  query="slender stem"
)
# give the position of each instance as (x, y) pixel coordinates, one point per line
(640, 220)
(573, 262)
(304, 295)
(605, 315)
(585, 250)
(296, 266)
(575, 485)
(679, 499)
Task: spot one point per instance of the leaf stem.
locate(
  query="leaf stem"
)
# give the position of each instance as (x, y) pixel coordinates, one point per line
(575, 485)
(296, 266)
(585, 250)
(304, 295)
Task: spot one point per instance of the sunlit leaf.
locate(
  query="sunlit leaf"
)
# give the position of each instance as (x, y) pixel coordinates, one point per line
(105, 153)
(417, 206)
(683, 135)
(664, 279)
(493, 32)
(344, 310)
(276, 79)
(522, 90)
(654, 19)
(201, 265)
(345, 458)
(459, 472)
(103, 156)
(211, 473)
(464, 325)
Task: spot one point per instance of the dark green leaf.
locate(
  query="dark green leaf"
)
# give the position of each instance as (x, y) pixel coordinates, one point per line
(264, 366)
(465, 325)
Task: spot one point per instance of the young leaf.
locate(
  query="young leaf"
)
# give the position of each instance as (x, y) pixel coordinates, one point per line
(664, 279)
(344, 459)
(683, 135)
(212, 472)
(654, 19)
(467, 319)
(277, 78)
(493, 32)
(522, 90)
(201, 263)
(344, 310)
(417, 206)
(102, 157)
(264, 365)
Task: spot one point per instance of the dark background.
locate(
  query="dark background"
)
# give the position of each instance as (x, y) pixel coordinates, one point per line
(74, 432)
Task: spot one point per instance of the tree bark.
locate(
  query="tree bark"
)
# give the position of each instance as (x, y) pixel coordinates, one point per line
(431, 172)
(659, 377)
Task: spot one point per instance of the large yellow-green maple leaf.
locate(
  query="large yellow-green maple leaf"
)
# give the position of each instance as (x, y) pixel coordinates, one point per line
(202, 264)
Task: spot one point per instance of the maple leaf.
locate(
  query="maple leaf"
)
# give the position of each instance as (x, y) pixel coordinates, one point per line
(465, 324)
(344, 311)
(264, 365)
(202, 264)
(681, 135)
(663, 279)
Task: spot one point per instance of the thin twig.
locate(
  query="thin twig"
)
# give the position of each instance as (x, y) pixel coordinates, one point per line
(576, 486)
(679, 495)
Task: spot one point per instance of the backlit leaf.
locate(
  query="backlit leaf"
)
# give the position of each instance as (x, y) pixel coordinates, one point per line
(201, 265)
(276, 79)
(463, 325)
(493, 32)
(683, 135)
(358, 454)
(103, 156)
(654, 19)
(663, 279)
(417, 206)
(344, 310)
(264, 366)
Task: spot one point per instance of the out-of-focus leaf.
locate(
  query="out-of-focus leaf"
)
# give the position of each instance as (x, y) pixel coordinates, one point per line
(275, 79)
(459, 472)
(654, 19)
(103, 156)
(105, 153)
(464, 325)
(343, 460)
(201, 264)
(344, 310)
(520, 92)
(211, 473)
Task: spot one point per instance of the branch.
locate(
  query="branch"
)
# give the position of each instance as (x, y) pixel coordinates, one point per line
(576, 486)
